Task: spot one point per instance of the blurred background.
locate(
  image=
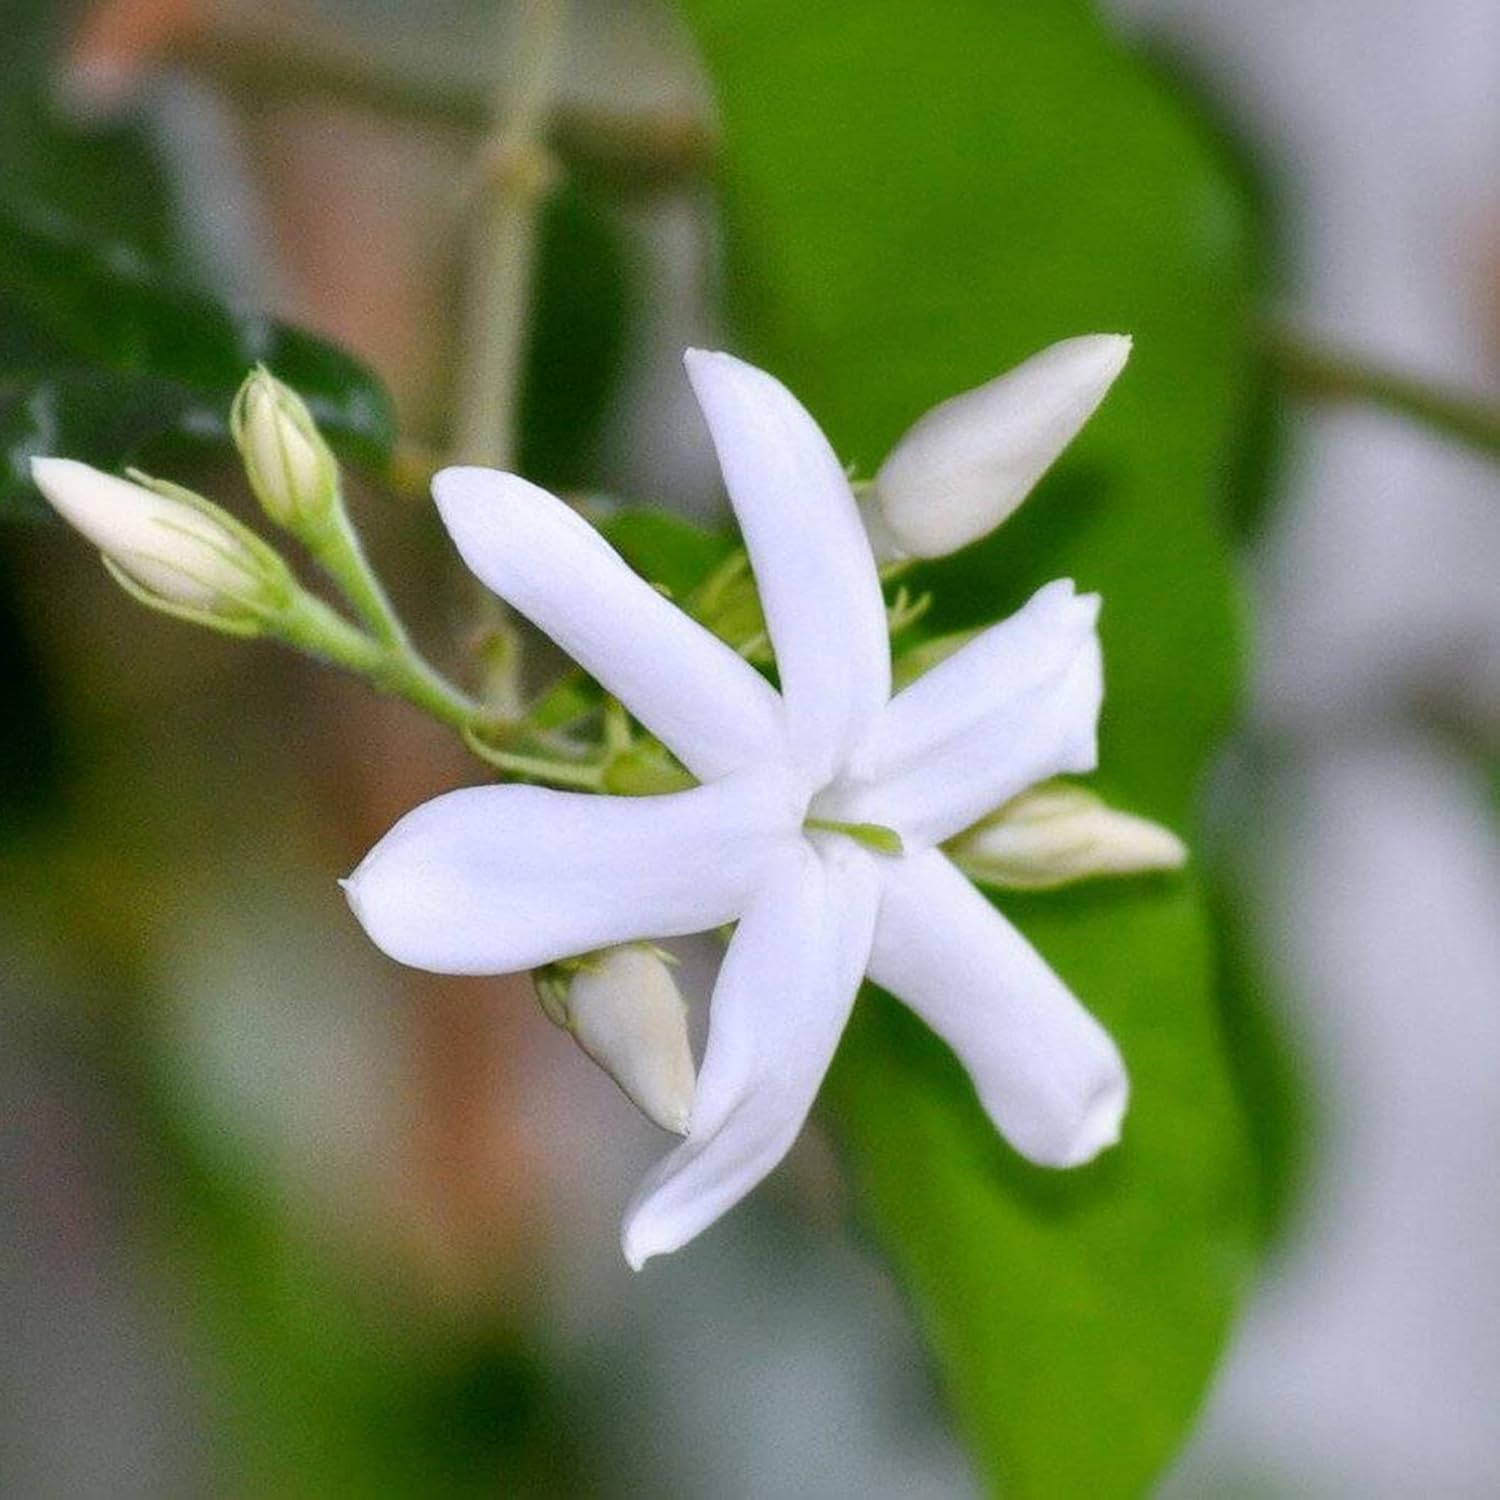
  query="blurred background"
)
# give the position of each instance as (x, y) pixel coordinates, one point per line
(281, 1218)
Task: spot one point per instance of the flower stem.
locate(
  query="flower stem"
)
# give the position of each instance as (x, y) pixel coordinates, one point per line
(341, 555)
(1328, 374)
(576, 775)
(517, 173)
(311, 627)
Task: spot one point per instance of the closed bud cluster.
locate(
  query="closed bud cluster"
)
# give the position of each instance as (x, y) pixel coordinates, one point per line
(1058, 833)
(623, 1008)
(169, 548)
(290, 468)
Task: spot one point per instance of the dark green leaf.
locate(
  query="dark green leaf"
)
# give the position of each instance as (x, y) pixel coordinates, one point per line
(917, 200)
(102, 358)
(576, 342)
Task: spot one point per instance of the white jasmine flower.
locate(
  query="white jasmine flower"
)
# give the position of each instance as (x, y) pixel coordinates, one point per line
(1057, 834)
(817, 827)
(966, 465)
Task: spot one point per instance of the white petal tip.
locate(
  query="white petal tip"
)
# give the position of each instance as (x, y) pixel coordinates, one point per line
(376, 901)
(1100, 1126)
(637, 1249)
(1093, 359)
(69, 486)
(706, 363)
(462, 485)
(350, 886)
(1114, 348)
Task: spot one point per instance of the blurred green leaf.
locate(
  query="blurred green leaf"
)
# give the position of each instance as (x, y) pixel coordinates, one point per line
(673, 553)
(915, 202)
(576, 341)
(101, 358)
(101, 175)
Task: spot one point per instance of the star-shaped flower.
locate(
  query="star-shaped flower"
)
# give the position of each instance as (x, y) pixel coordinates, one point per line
(817, 827)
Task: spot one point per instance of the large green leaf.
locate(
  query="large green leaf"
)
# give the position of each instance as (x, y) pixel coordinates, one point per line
(100, 358)
(916, 198)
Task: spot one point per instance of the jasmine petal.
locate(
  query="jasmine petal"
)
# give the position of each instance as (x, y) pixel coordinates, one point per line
(813, 565)
(1046, 1072)
(701, 700)
(966, 465)
(1017, 704)
(783, 996)
(499, 879)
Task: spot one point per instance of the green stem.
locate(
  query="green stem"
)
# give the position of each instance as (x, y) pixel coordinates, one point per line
(341, 555)
(1325, 373)
(311, 627)
(516, 174)
(585, 776)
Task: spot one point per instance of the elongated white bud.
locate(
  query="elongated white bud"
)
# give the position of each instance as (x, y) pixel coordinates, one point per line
(966, 465)
(178, 551)
(294, 475)
(1058, 833)
(624, 1009)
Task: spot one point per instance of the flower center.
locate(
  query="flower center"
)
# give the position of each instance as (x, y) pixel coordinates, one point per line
(874, 836)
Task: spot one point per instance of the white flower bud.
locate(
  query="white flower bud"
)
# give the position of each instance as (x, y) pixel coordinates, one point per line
(966, 465)
(1058, 833)
(173, 549)
(289, 466)
(624, 1009)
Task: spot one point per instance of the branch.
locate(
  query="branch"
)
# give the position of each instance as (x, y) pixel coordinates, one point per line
(1325, 374)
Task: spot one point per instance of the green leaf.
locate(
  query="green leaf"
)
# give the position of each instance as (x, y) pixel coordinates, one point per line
(576, 341)
(101, 358)
(102, 176)
(672, 553)
(915, 202)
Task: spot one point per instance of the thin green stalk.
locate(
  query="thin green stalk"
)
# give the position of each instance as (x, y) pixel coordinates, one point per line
(1324, 373)
(341, 555)
(516, 173)
(311, 627)
(577, 775)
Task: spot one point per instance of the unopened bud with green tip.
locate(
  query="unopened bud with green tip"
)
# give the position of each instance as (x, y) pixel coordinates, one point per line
(623, 1008)
(1058, 833)
(289, 465)
(170, 549)
(967, 464)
